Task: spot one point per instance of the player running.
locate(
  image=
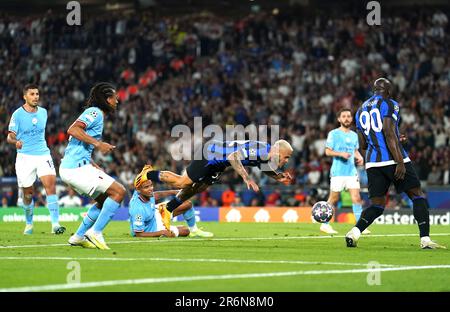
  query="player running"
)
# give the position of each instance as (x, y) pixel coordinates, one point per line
(220, 155)
(387, 162)
(145, 219)
(26, 132)
(342, 145)
(83, 175)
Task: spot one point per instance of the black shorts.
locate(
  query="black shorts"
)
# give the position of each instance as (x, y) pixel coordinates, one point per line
(380, 179)
(201, 171)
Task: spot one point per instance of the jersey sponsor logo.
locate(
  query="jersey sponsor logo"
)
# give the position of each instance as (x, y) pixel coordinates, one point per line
(94, 114)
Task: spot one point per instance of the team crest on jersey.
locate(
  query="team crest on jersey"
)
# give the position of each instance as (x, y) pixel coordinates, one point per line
(252, 152)
(347, 140)
(396, 108)
(34, 120)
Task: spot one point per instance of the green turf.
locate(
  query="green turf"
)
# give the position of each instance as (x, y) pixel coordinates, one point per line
(288, 242)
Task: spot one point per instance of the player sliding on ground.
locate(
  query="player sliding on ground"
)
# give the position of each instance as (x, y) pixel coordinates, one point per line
(342, 145)
(387, 162)
(220, 155)
(145, 219)
(83, 175)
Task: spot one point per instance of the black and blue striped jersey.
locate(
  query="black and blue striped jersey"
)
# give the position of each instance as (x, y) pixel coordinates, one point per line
(369, 121)
(254, 153)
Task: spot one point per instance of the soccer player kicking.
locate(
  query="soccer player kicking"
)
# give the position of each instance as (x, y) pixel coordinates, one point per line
(387, 162)
(220, 155)
(342, 145)
(26, 132)
(83, 175)
(145, 219)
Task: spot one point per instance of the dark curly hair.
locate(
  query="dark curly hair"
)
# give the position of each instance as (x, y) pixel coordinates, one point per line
(99, 94)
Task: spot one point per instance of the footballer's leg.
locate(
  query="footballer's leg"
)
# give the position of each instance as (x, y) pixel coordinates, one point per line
(49, 183)
(189, 216)
(78, 238)
(422, 216)
(379, 183)
(26, 175)
(356, 206)
(28, 206)
(332, 199)
(116, 192)
(167, 208)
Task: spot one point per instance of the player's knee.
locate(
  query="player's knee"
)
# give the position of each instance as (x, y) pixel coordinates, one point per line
(379, 201)
(121, 192)
(356, 199)
(414, 193)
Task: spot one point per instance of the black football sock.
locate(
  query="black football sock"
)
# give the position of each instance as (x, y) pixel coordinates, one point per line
(368, 216)
(422, 215)
(153, 176)
(174, 204)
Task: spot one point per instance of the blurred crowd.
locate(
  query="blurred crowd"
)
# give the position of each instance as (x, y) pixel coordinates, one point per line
(262, 69)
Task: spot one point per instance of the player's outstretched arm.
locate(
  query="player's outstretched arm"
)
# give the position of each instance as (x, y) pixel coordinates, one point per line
(394, 147)
(77, 131)
(11, 139)
(235, 161)
(155, 234)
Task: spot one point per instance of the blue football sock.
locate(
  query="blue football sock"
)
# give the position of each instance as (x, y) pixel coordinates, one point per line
(109, 209)
(357, 210)
(53, 207)
(28, 212)
(88, 220)
(189, 216)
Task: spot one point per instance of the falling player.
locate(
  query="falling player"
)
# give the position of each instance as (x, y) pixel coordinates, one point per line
(220, 155)
(27, 133)
(80, 172)
(342, 145)
(386, 163)
(145, 219)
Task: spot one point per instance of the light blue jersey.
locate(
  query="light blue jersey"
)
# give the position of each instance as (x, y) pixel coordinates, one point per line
(79, 153)
(340, 141)
(30, 129)
(142, 215)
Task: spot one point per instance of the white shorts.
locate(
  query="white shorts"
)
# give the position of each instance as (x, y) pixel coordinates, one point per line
(28, 167)
(86, 180)
(160, 226)
(338, 184)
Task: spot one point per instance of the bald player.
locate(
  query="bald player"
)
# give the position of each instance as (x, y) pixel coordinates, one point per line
(218, 156)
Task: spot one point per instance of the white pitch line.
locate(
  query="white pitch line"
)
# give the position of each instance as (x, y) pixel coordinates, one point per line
(144, 241)
(196, 260)
(210, 277)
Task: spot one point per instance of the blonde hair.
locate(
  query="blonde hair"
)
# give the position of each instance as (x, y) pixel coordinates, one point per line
(283, 144)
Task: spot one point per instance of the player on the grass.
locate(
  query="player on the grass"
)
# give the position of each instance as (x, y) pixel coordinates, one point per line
(386, 163)
(219, 155)
(342, 145)
(80, 172)
(26, 132)
(145, 219)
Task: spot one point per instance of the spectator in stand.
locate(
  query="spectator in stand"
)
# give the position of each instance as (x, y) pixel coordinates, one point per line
(70, 200)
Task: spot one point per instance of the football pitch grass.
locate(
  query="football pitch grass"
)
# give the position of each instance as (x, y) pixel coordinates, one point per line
(241, 257)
